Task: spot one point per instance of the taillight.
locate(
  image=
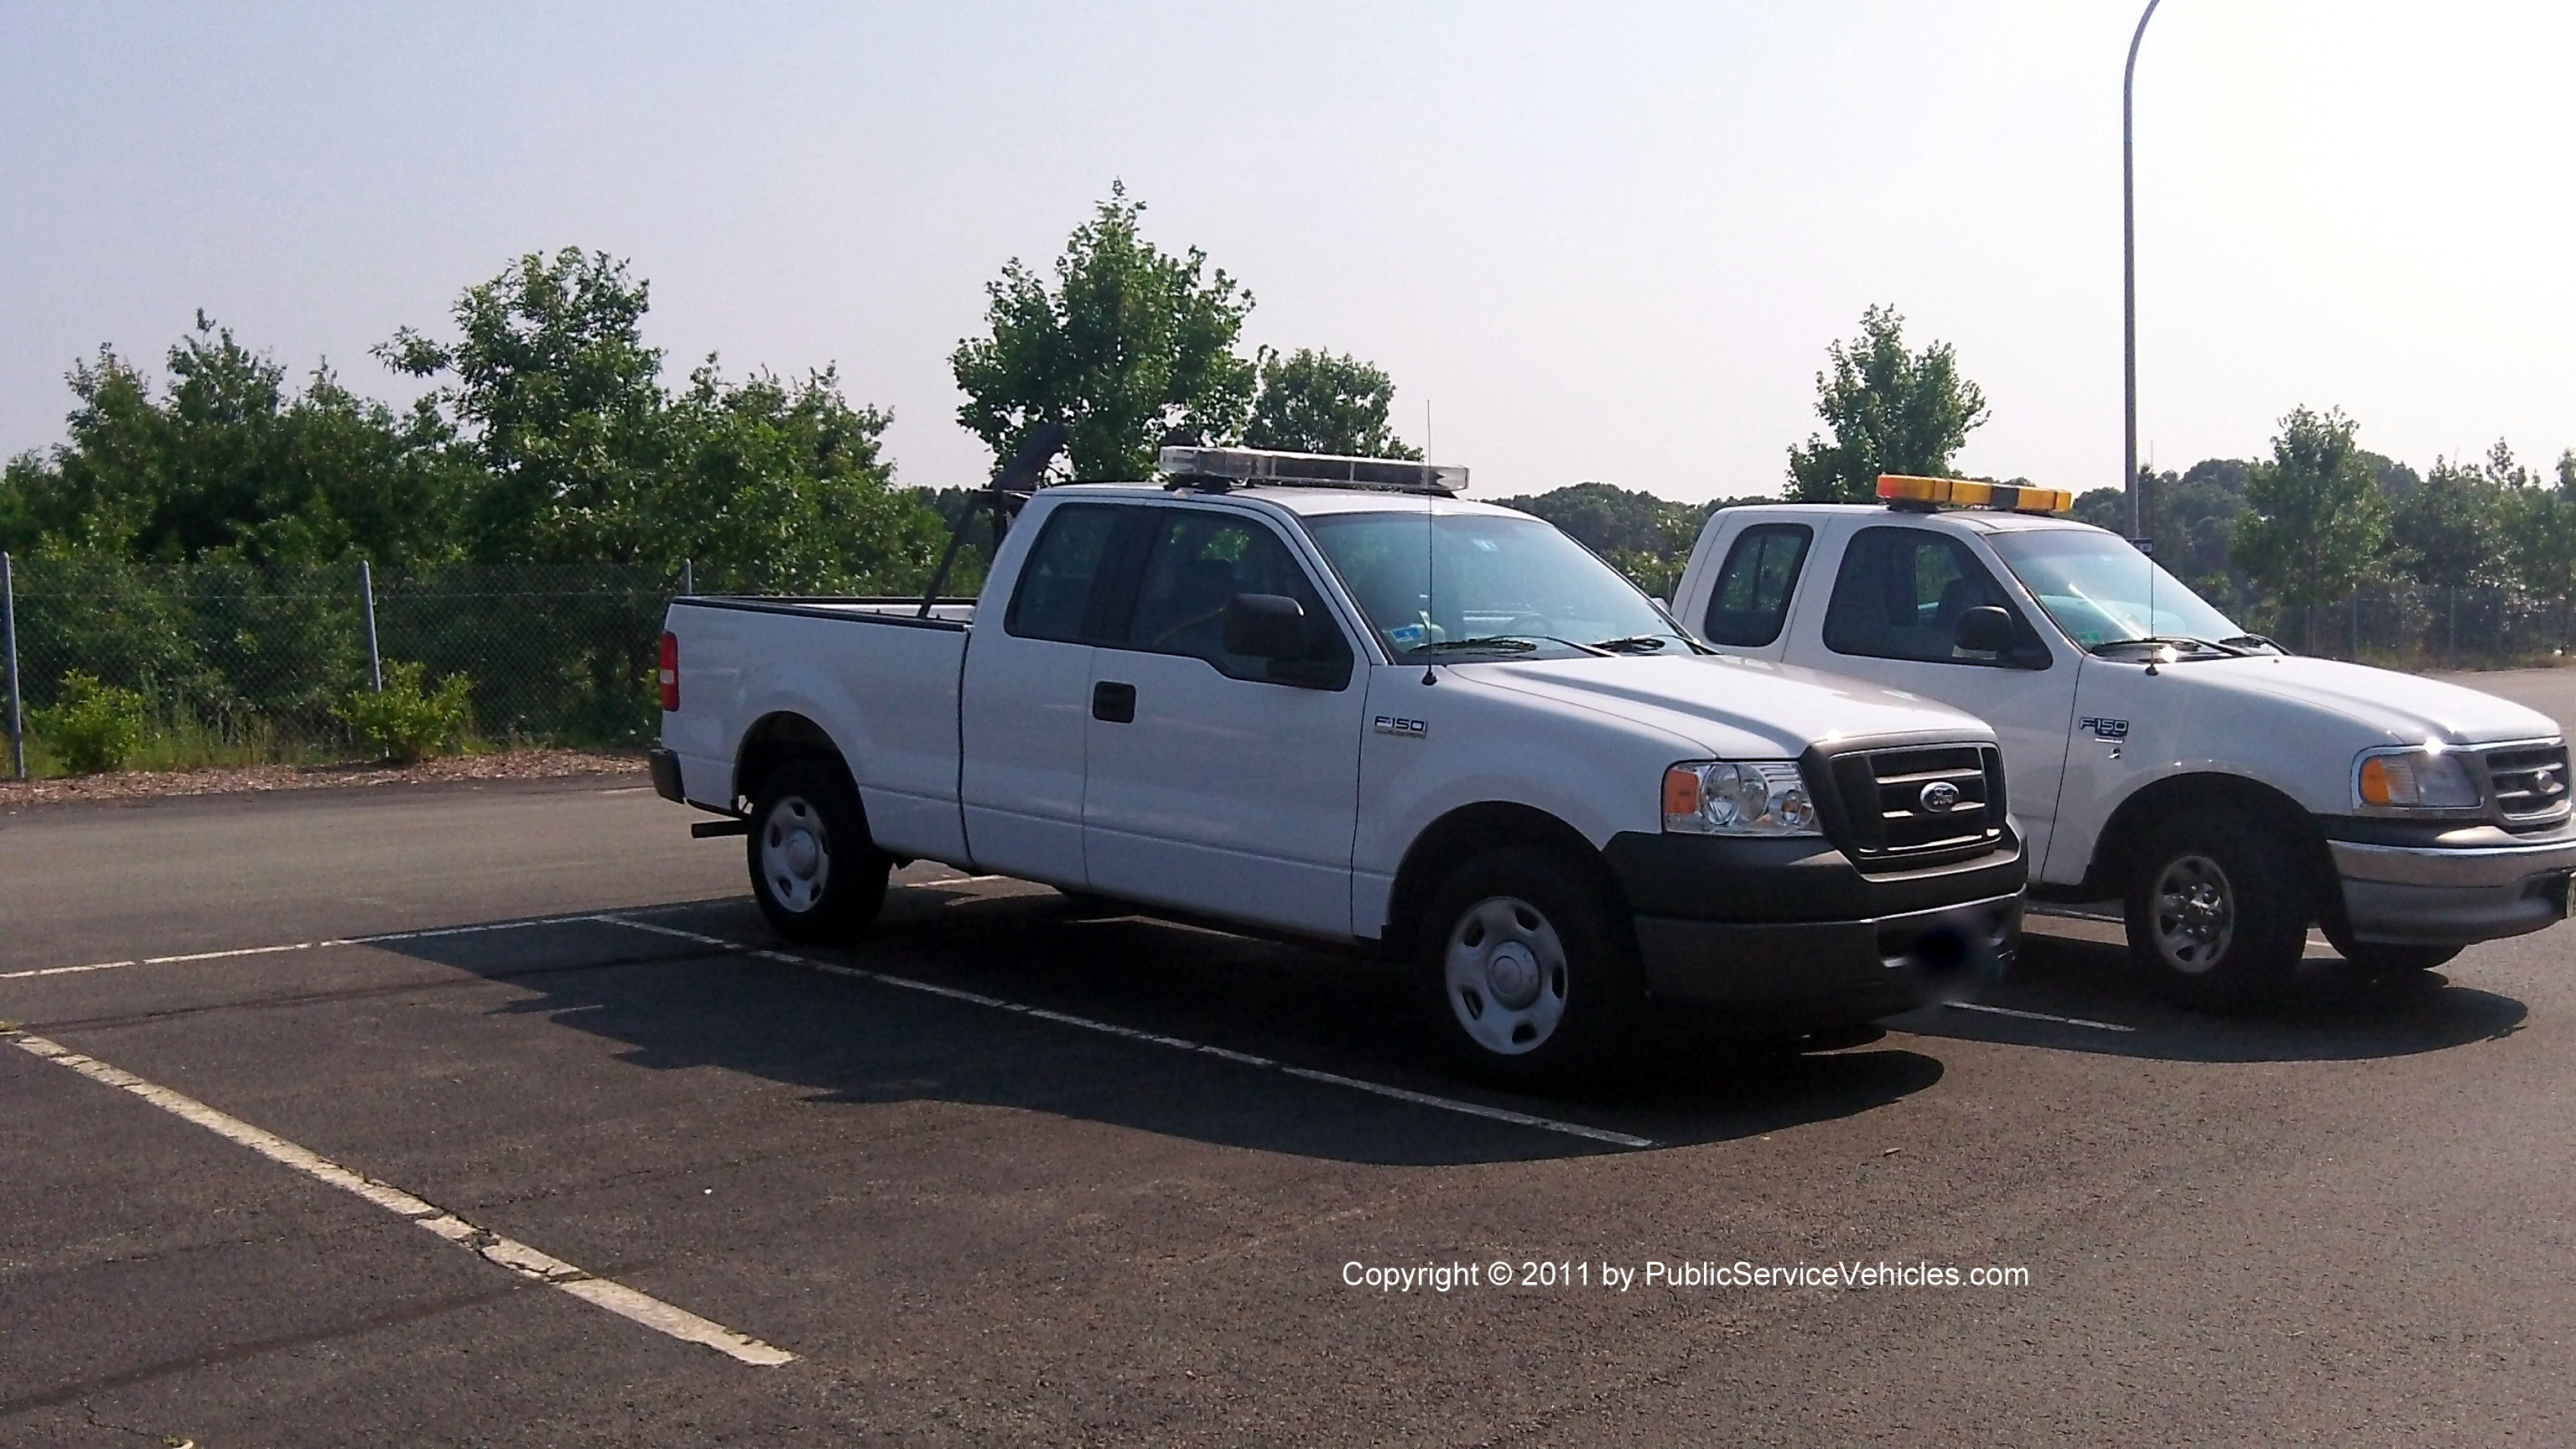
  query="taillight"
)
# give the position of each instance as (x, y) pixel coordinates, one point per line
(670, 671)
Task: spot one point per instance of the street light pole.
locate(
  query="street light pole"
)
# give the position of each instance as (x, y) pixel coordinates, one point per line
(2129, 282)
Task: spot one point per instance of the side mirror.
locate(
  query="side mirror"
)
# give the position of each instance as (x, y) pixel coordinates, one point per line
(1984, 630)
(1265, 626)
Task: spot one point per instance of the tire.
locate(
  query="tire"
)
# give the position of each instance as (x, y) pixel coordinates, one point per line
(815, 872)
(2217, 914)
(1529, 977)
(2394, 963)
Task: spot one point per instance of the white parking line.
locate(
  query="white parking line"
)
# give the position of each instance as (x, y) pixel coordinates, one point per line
(1419, 1099)
(2036, 1016)
(502, 1252)
(373, 940)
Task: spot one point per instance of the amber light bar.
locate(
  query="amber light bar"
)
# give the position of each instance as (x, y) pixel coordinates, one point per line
(1968, 493)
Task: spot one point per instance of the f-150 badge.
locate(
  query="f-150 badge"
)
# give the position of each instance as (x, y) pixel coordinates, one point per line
(1410, 729)
(2105, 729)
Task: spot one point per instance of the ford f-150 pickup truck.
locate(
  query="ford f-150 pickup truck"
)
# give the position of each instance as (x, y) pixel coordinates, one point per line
(1327, 699)
(2228, 792)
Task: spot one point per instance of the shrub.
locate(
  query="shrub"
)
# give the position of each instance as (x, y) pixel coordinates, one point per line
(407, 720)
(93, 726)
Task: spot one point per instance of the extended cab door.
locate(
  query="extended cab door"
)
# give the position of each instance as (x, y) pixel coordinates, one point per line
(1219, 782)
(1025, 702)
(1883, 603)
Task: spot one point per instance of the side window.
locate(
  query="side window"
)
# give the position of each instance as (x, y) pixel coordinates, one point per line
(1056, 583)
(1751, 600)
(1200, 560)
(1901, 592)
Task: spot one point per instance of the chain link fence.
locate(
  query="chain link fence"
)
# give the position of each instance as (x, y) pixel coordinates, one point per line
(2425, 629)
(248, 663)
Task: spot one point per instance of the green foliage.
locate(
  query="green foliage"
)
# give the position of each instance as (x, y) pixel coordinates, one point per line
(1317, 402)
(1889, 410)
(92, 727)
(225, 462)
(1128, 344)
(407, 720)
(1645, 537)
(2448, 532)
(2314, 515)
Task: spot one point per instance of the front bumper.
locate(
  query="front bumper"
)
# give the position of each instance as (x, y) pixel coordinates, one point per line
(2468, 888)
(1791, 930)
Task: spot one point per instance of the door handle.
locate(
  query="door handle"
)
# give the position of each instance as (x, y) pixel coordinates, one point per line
(1113, 702)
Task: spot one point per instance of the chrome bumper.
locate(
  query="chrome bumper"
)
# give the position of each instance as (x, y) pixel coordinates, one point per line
(2453, 895)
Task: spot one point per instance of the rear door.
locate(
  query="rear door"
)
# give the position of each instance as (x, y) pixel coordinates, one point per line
(1025, 706)
(1896, 593)
(1217, 782)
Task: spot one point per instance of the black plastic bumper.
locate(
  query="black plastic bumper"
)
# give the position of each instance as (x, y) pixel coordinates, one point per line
(666, 774)
(1789, 928)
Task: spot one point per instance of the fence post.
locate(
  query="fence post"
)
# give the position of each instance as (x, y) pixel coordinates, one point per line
(375, 661)
(9, 628)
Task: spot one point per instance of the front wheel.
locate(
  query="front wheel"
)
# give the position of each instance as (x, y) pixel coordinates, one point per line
(1530, 976)
(815, 872)
(2217, 917)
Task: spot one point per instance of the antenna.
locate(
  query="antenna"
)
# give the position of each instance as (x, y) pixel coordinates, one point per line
(1430, 595)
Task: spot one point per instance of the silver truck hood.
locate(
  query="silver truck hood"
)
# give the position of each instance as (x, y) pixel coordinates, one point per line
(1731, 707)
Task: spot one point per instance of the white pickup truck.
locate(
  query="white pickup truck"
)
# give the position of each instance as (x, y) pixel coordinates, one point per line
(1372, 715)
(2228, 792)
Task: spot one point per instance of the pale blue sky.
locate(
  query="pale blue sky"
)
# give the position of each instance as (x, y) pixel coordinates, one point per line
(1603, 241)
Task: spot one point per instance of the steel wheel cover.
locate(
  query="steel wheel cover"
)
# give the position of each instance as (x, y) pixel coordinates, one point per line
(2194, 911)
(795, 854)
(1505, 973)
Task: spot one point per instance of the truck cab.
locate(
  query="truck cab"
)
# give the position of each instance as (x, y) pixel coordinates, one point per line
(1331, 700)
(2228, 792)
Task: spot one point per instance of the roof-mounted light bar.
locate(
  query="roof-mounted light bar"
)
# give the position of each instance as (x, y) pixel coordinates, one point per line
(1217, 469)
(1901, 490)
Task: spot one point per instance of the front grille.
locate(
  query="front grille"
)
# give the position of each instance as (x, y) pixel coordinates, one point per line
(1917, 805)
(2529, 782)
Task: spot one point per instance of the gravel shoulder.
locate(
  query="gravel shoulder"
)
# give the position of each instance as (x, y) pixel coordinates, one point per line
(127, 785)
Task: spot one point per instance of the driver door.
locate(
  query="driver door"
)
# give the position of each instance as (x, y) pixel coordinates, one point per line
(1217, 782)
(1897, 595)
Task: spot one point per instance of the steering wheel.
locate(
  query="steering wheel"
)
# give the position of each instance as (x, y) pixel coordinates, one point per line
(1536, 625)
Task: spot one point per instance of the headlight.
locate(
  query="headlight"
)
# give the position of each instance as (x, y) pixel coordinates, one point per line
(2425, 779)
(1741, 797)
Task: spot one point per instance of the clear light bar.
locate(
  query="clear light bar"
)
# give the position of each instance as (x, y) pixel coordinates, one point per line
(1968, 493)
(1310, 470)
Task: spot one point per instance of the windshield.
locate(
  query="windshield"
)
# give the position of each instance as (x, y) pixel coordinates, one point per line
(1487, 585)
(2097, 587)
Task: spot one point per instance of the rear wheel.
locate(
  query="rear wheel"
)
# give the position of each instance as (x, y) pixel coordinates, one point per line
(2216, 915)
(1529, 975)
(815, 872)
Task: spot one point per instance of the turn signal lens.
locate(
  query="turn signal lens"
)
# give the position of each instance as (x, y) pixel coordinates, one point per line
(668, 675)
(1681, 792)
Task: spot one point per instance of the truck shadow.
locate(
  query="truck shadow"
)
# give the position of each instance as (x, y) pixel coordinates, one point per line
(2331, 1012)
(672, 1003)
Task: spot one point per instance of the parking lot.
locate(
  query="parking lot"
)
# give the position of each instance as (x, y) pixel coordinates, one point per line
(494, 1115)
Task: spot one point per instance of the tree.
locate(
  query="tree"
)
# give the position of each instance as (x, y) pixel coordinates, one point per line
(560, 402)
(2448, 532)
(1890, 411)
(1128, 344)
(2314, 516)
(227, 464)
(1317, 402)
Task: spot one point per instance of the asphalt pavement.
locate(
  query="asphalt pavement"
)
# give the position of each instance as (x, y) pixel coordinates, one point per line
(493, 1115)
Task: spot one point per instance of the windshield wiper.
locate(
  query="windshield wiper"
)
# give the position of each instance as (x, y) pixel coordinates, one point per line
(2174, 641)
(1514, 643)
(1633, 644)
(2264, 641)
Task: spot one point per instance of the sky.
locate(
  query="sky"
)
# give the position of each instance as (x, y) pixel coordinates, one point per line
(1589, 241)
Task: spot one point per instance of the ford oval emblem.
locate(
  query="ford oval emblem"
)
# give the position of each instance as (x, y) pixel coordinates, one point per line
(1939, 798)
